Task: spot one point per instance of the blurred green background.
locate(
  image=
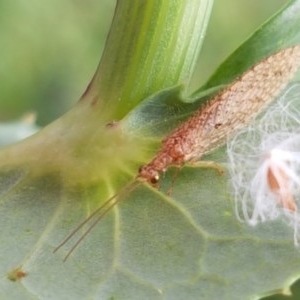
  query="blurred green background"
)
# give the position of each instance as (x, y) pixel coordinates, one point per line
(49, 50)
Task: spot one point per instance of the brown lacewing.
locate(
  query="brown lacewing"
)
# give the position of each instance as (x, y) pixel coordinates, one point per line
(231, 109)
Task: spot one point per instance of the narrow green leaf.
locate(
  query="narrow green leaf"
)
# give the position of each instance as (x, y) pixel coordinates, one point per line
(280, 32)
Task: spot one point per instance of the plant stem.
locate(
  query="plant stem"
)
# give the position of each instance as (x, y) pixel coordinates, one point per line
(151, 45)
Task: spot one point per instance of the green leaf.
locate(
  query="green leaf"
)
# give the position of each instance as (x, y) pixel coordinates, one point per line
(188, 245)
(279, 32)
(162, 112)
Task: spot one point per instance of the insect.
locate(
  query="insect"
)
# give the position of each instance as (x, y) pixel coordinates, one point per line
(209, 127)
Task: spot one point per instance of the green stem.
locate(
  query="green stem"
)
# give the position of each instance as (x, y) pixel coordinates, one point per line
(152, 45)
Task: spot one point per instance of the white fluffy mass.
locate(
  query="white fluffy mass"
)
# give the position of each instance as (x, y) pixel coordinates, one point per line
(264, 164)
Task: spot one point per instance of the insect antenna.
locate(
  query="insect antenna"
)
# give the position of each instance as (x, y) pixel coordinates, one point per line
(98, 214)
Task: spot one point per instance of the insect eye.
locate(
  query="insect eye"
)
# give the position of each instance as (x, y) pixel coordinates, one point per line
(154, 179)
